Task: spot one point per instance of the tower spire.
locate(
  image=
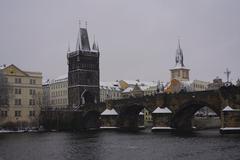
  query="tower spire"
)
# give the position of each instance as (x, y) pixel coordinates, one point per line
(179, 56)
(179, 43)
(78, 45)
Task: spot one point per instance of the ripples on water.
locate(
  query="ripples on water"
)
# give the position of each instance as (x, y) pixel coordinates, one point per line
(110, 145)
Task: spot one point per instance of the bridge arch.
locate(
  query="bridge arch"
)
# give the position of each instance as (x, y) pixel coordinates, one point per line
(129, 117)
(91, 120)
(182, 117)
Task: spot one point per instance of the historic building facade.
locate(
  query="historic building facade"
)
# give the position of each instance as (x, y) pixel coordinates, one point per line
(24, 100)
(83, 72)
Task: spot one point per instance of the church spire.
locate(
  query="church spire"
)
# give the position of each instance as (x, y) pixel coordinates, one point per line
(179, 43)
(179, 56)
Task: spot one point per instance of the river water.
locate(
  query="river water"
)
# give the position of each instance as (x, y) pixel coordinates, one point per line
(112, 145)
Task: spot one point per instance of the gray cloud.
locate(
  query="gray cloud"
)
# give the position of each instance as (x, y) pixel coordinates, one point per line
(137, 39)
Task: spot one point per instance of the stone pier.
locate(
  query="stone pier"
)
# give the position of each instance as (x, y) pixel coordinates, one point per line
(109, 119)
(230, 121)
(161, 119)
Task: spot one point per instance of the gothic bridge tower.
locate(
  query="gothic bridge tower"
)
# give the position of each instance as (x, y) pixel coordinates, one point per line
(179, 72)
(83, 72)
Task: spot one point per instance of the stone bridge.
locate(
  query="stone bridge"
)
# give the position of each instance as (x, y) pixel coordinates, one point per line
(183, 106)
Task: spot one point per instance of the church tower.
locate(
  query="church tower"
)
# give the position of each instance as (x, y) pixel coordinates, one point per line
(83, 72)
(179, 72)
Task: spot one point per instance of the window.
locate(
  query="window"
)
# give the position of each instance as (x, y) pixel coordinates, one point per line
(32, 92)
(31, 102)
(17, 113)
(3, 113)
(18, 91)
(32, 113)
(32, 81)
(18, 102)
(18, 80)
(6, 80)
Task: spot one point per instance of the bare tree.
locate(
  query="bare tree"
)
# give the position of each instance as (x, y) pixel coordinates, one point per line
(38, 98)
(37, 102)
(5, 90)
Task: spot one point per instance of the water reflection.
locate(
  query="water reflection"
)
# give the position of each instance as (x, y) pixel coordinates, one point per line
(112, 145)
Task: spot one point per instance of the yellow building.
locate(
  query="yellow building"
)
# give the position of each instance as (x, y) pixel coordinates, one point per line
(147, 117)
(174, 86)
(24, 98)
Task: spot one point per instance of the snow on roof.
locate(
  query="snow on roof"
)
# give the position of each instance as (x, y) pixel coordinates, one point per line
(143, 88)
(61, 78)
(127, 90)
(179, 66)
(132, 82)
(64, 76)
(110, 85)
(162, 110)
(230, 128)
(152, 83)
(3, 66)
(141, 83)
(109, 112)
(227, 109)
(45, 81)
(34, 74)
(141, 113)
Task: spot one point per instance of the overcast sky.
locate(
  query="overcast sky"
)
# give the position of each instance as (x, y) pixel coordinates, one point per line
(137, 38)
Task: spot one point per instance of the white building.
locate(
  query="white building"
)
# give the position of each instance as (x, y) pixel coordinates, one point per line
(198, 85)
(58, 89)
(109, 90)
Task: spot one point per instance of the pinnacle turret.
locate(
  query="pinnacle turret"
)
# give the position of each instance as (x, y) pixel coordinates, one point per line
(94, 47)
